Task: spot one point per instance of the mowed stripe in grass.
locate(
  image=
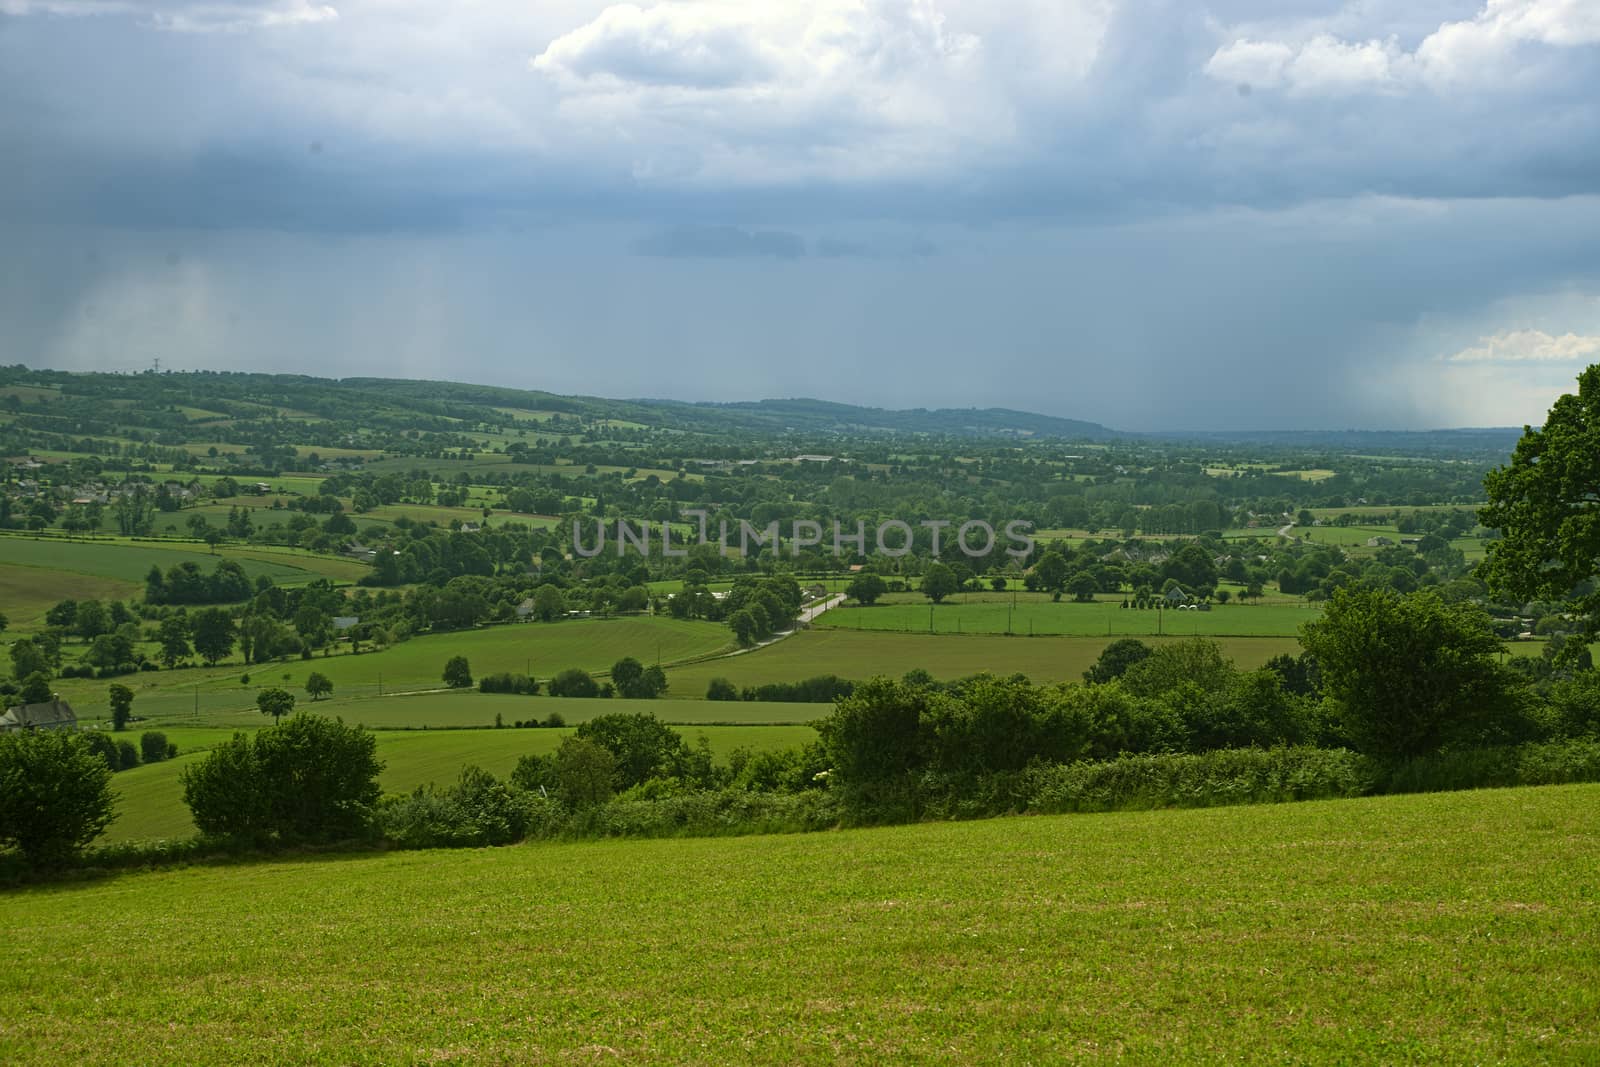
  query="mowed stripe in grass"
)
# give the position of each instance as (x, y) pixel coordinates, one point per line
(26, 593)
(150, 798)
(1036, 614)
(1453, 928)
(861, 654)
(130, 561)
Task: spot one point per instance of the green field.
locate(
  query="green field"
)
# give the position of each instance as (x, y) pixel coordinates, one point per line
(862, 654)
(418, 664)
(130, 561)
(1035, 613)
(26, 593)
(150, 798)
(1453, 928)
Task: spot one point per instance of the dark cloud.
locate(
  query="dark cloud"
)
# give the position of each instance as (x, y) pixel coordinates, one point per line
(720, 242)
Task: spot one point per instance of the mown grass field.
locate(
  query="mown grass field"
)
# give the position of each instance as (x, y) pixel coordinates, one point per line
(150, 797)
(130, 561)
(1452, 928)
(864, 653)
(26, 593)
(1035, 613)
(417, 664)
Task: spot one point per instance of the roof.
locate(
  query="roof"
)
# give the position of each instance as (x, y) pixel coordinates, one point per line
(54, 714)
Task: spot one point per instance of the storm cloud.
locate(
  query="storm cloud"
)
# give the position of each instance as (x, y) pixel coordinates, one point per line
(1148, 213)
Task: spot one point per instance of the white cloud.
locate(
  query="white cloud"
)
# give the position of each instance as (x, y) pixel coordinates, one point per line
(1480, 50)
(753, 92)
(1529, 346)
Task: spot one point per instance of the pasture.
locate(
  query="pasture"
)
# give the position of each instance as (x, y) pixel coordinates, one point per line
(1036, 614)
(129, 561)
(864, 653)
(150, 797)
(1450, 928)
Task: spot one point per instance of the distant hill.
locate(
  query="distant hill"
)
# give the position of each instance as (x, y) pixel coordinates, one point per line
(812, 416)
(1495, 440)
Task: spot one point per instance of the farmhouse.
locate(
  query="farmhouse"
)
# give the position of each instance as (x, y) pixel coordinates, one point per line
(55, 714)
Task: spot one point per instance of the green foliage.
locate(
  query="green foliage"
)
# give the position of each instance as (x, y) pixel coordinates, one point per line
(644, 747)
(584, 771)
(153, 746)
(507, 682)
(1114, 662)
(1542, 502)
(318, 685)
(1236, 776)
(636, 681)
(275, 702)
(35, 689)
(457, 673)
(55, 795)
(721, 689)
(120, 697)
(478, 810)
(309, 779)
(573, 682)
(865, 588)
(938, 582)
(1406, 674)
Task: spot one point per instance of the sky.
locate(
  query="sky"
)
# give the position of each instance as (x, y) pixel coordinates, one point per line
(1152, 214)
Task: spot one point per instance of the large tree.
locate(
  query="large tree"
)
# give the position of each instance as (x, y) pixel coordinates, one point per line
(1404, 674)
(214, 634)
(1546, 505)
(55, 794)
(938, 582)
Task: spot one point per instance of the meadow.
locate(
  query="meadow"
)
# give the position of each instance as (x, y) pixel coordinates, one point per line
(1037, 614)
(129, 561)
(150, 797)
(1453, 928)
(542, 649)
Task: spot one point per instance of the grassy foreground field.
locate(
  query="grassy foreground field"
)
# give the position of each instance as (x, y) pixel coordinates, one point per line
(1456, 928)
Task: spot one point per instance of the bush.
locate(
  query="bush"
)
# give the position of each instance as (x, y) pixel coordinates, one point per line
(555, 720)
(153, 746)
(721, 689)
(478, 810)
(823, 689)
(127, 756)
(310, 779)
(643, 745)
(55, 795)
(508, 683)
(1548, 763)
(573, 682)
(457, 673)
(1226, 776)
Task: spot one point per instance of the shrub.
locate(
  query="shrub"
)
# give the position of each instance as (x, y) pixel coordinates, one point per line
(822, 689)
(457, 673)
(583, 773)
(643, 745)
(153, 746)
(508, 683)
(721, 689)
(478, 810)
(1547, 763)
(309, 779)
(555, 720)
(127, 756)
(55, 795)
(1226, 776)
(573, 682)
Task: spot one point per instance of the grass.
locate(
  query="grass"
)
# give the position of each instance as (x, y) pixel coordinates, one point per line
(862, 654)
(150, 797)
(130, 561)
(26, 593)
(1035, 613)
(418, 664)
(1455, 928)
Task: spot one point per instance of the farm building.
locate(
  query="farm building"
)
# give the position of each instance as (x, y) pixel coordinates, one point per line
(54, 714)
